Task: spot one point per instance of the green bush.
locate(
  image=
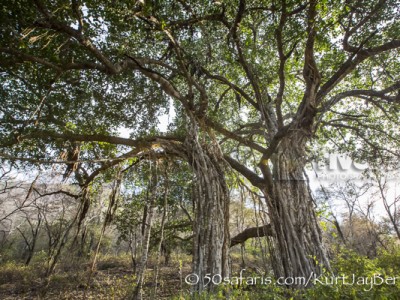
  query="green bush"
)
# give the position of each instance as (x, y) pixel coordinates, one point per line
(358, 277)
(371, 281)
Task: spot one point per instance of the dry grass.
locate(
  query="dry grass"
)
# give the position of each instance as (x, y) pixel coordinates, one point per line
(113, 279)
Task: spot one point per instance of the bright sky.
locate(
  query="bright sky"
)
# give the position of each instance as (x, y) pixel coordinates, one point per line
(342, 169)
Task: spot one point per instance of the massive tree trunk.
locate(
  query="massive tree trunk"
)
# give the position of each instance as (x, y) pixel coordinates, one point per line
(211, 203)
(298, 249)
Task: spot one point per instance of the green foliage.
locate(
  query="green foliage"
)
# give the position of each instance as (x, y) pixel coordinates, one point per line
(330, 286)
(363, 278)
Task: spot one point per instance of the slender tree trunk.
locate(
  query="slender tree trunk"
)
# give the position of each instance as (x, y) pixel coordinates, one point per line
(211, 204)
(298, 249)
(146, 234)
(56, 252)
(133, 249)
(163, 218)
(30, 245)
(141, 268)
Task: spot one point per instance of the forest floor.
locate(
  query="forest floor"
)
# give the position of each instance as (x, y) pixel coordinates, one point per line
(113, 279)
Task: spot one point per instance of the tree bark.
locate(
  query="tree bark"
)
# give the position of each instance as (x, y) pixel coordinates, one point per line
(297, 249)
(211, 205)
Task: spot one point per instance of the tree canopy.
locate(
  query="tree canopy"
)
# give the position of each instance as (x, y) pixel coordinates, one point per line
(82, 70)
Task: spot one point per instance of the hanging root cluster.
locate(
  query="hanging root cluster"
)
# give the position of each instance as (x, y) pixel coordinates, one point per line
(298, 249)
(211, 209)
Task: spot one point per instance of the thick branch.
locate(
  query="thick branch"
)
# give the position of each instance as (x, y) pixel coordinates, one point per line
(140, 142)
(382, 94)
(51, 22)
(219, 128)
(282, 61)
(350, 32)
(310, 71)
(249, 174)
(251, 232)
(242, 60)
(351, 63)
(232, 85)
